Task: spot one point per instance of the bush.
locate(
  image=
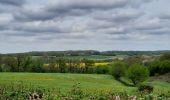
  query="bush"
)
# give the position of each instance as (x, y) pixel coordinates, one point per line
(165, 56)
(118, 69)
(101, 69)
(137, 73)
(159, 67)
(22, 91)
(145, 88)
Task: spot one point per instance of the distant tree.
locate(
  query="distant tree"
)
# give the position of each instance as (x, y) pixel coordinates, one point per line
(165, 56)
(133, 60)
(61, 63)
(0, 60)
(11, 63)
(118, 69)
(137, 73)
(102, 69)
(37, 65)
(26, 63)
(45, 58)
(52, 66)
(159, 67)
(88, 65)
(1, 68)
(1, 63)
(19, 59)
(73, 65)
(154, 67)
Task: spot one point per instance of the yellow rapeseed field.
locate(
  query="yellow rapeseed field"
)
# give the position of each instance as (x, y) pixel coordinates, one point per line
(82, 64)
(101, 63)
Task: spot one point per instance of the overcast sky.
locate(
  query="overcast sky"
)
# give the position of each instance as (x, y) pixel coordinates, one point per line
(52, 25)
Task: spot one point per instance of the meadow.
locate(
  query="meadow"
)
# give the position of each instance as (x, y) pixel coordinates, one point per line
(91, 78)
(64, 81)
(91, 57)
(88, 82)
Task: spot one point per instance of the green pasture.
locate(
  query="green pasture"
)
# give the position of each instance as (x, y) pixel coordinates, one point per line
(89, 82)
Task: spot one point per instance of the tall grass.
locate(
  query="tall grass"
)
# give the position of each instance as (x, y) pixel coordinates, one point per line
(21, 91)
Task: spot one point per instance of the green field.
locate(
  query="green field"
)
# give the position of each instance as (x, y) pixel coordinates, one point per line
(91, 57)
(89, 82)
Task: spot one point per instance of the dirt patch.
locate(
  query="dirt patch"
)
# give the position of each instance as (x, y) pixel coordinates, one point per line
(165, 77)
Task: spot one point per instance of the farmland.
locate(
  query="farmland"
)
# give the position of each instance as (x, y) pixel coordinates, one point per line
(63, 81)
(85, 77)
(90, 82)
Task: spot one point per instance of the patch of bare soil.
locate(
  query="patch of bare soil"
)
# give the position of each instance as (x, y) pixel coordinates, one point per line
(165, 77)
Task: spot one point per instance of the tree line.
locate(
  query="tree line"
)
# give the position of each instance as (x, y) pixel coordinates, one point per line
(134, 68)
(88, 53)
(48, 65)
(138, 71)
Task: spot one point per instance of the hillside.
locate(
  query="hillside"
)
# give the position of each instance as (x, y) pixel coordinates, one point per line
(87, 53)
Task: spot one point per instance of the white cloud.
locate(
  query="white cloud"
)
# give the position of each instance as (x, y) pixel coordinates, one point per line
(90, 23)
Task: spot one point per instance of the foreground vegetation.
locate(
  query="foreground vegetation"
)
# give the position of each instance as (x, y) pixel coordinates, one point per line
(93, 79)
(56, 86)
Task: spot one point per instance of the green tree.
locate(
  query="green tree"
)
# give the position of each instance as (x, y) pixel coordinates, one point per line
(159, 67)
(61, 63)
(118, 69)
(165, 56)
(37, 65)
(11, 63)
(88, 65)
(0, 60)
(101, 69)
(19, 63)
(133, 60)
(26, 63)
(52, 66)
(137, 73)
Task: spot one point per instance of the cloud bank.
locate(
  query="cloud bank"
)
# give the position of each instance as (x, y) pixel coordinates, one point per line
(77, 24)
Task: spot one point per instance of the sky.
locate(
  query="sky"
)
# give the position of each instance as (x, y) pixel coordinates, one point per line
(58, 25)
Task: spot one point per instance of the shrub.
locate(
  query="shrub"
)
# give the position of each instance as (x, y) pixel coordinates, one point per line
(101, 69)
(118, 69)
(145, 88)
(165, 56)
(159, 67)
(137, 73)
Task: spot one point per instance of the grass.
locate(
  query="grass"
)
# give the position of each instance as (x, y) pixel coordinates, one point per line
(161, 87)
(92, 57)
(64, 81)
(96, 57)
(88, 82)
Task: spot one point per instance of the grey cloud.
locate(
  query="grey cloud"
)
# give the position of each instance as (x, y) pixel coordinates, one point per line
(148, 27)
(61, 37)
(16, 33)
(165, 16)
(137, 3)
(31, 15)
(126, 17)
(5, 20)
(78, 20)
(149, 24)
(51, 26)
(12, 2)
(58, 8)
(88, 4)
(118, 16)
(113, 31)
(68, 8)
(119, 37)
(162, 31)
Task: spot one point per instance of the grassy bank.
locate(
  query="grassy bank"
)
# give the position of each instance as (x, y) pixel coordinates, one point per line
(64, 82)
